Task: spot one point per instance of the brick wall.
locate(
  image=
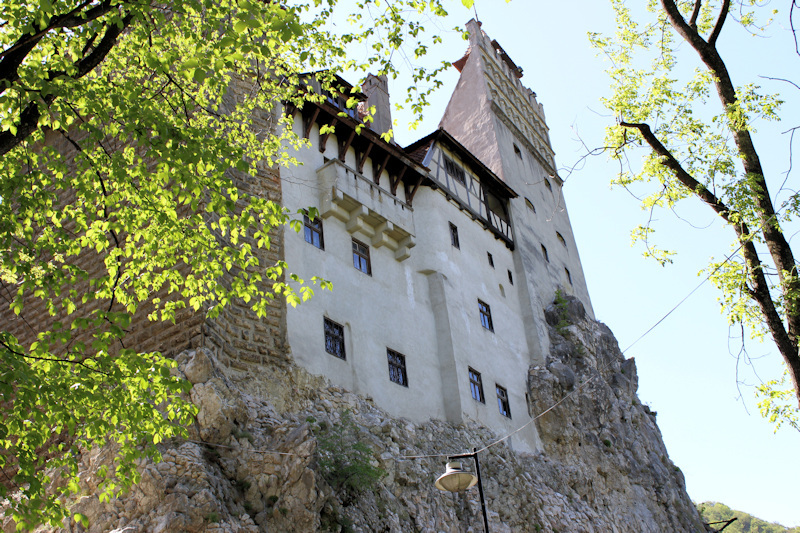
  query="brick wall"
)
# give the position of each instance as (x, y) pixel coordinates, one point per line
(237, 335)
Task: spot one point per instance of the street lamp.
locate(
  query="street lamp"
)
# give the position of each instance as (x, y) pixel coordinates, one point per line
(456, 479)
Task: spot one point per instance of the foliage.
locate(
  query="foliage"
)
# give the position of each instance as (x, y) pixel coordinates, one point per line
(124, 127)
(676, 103)
(563, 313)
(745, 523)
(344, 461)
(777, 403)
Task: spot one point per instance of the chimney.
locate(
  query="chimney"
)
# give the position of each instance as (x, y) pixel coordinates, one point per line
(376, 89)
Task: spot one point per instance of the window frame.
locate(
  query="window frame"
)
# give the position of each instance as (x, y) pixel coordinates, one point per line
(311, 228)
(397, 367)
(486, 315)
(476, 385)
(503, 404)
(330, 327)
(361, 258)
(454, 240)
(454, 170)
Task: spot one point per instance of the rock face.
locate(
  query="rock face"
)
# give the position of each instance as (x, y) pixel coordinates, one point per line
(252, 463)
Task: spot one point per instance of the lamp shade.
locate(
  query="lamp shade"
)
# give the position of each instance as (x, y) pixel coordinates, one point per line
(455, 479)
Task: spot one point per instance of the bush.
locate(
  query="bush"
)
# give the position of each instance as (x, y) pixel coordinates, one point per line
(343, 460)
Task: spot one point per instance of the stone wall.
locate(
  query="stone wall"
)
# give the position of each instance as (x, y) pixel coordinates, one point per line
(250, 463)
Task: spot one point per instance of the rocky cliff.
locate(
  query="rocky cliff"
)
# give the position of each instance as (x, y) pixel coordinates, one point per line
(275, 449)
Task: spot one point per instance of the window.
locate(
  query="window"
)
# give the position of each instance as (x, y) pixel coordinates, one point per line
(561, 239)
(454, 170)
(454, 236)
(529, 204)
(486, 315)
(491, 259)
(334, 339)
(569, 276)
(476, 385)
(397, 367)
(361, 257)
(502, 401)
(517, 151)
(510, 278)
(547, 184)
(544, 253)
(313, 231)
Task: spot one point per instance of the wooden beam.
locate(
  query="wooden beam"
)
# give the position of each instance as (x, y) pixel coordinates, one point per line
(363, 158)
(378, 171)
(343, 146)
(410, 195)
(307, 124)
(396, 181)
(323, 139)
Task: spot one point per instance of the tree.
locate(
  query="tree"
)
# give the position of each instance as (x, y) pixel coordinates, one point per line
(696, 127)
(124, 125)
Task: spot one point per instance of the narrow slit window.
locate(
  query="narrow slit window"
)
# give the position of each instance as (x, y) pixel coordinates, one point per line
(517, 151)
(476, 385)
(561, 239)
(397, 367)
(486, 315)
(334, 339)
(529, 204)
(454, 236)
(547, 184)
(502, 401)
(361, 257)
(510, 277)
(491, 259)
(544, 253)
(569, 276)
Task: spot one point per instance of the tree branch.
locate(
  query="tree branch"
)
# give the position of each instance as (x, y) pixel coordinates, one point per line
(695, 13)
(29, 118)
(760, 290)
(723, 14)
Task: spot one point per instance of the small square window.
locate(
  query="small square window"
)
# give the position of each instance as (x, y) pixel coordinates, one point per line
(312, 230)
(486, 315)
(529, 204)
(569, 276)
(491, 259)
(561, 239)
(454, 236)
(334, 339)
(476, 385)
(502, 401)
(455, 171)
(397, 367)
(510, 277)
(361, 257)
(544, 253)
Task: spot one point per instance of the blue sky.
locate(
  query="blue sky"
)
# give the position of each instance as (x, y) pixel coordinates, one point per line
(688, 369)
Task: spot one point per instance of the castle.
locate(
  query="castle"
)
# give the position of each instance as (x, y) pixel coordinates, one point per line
(442, 254)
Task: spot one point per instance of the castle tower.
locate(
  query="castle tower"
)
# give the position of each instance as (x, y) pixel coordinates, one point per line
(499, 121)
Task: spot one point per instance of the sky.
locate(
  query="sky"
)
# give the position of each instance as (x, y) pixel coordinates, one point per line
(688, 367)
